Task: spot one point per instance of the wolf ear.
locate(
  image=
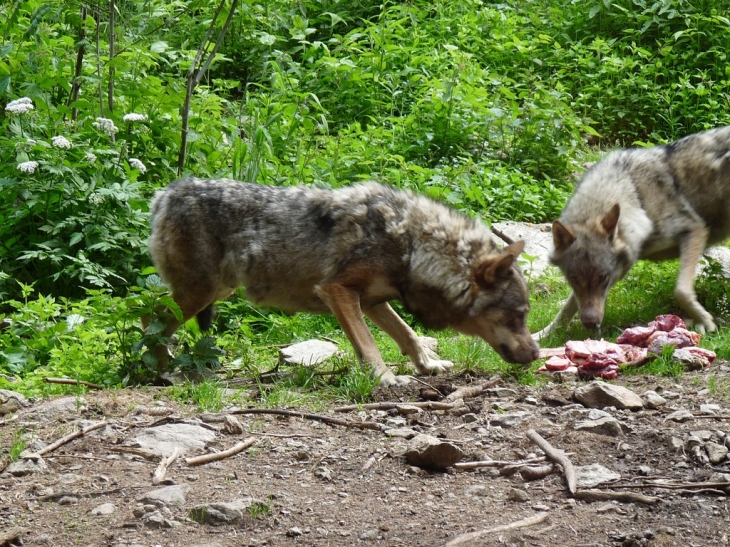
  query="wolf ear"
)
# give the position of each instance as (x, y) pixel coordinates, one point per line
(610, 221)
(563, 236)
(499, 267)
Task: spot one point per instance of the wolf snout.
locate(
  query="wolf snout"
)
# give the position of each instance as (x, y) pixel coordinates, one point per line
(591, 318)
(522, 354)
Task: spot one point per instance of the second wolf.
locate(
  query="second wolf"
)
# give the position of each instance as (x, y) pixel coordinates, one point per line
(646, 203)
(348, 251)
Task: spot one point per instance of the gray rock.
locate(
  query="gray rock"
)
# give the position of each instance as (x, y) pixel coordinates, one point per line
(308, 353)
(26, 466)
(429, 452)
(653, 400)
(165, 438)
(538, 243)
(608, 426)
(55, 409)
(104, 509)
(512, 419)
(232, 512)
(169, 495)
(710, 409)
(519, 495)
(401, 432)
(157, 520)
(716, 452)
(588, 476)
(602, 394)
(679, 416)
(10, 401)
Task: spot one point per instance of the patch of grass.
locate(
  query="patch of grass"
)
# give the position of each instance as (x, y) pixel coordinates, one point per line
(259, 510)
(17, 445)
(663, 365)
(207, 395)
(357, 384)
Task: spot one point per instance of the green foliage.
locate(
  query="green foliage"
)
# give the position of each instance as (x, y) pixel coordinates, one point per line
(17, 445)
(357, 384)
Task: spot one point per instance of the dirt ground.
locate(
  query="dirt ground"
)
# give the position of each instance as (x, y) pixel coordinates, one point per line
(330, 485)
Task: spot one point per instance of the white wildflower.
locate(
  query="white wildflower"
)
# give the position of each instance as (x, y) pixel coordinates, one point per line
(90, 157)
(28, 166)
(137, 164)
(106, 125)
(134, 117)
(61, 142)
(19, 106)
(96, 199)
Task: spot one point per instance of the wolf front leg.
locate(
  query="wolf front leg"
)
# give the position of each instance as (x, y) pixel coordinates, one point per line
(566, 313)
(408, 342)
(691, 246)
(345, 305)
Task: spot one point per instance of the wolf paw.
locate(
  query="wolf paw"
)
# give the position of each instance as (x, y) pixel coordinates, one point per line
(705, 326)
(434, 366)
(388, 379)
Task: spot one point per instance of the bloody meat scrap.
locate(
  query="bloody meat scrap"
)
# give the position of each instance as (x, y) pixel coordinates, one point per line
(598, 358)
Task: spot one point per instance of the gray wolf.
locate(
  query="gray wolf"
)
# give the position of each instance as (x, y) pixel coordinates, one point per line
(654, 203)
(348, 252)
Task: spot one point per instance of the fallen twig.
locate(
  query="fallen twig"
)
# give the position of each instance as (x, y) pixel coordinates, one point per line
(307, 416)
(497, 463)
(207, 458)
(68, 438)
(558, 456)
(72, 382)
(387, 405)
(603, 495)
(466, 538)
(466, 392)
(159, 475)
(673, 486)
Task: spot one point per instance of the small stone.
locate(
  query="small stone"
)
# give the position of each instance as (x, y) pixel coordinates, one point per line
(653, 400)
(676, 444)
(294, 532)
(592, 475)
(603, 426)
(470, 418)
(428, 452)
(716, 453)
(602, 394)
(679, 416)
(104, 509)
(370, 535)
(710, 409)
(518, 495)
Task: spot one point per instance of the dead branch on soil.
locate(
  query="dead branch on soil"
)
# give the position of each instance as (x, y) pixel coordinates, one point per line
(388, 405)
(675, 485)
(146, 454)
(72, 382)
(497, 463)
(466, 538)
(467, 392)
(207, 458)
(558, 456)
(68, 438)
(159, 475)
(605, 495)
(307, 416)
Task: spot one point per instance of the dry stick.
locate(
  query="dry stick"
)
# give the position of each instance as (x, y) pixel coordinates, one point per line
(387, 405)
(558, 456)
(675, 486)
(317, 417)
(471, 391)
(73, 96)
(199, 460)
(71, 437)
(72, 382)
(497, 463)
(159, 475)
(603, 495)
(529, 521)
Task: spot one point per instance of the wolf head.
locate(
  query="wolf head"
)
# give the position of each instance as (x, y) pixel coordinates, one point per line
(498, 306)
(593, 257)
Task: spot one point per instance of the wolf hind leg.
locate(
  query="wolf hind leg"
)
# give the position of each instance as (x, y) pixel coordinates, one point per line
(425, 361)
(691, 246)
(566, 313)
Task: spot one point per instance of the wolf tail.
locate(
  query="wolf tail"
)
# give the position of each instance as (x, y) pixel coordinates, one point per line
(205, 318)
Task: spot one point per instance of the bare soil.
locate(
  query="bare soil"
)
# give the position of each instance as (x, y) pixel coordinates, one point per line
(333, 485)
